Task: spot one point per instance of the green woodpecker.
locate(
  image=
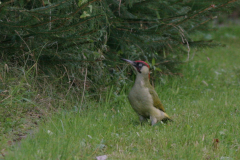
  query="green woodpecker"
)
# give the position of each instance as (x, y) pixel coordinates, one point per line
(143, 98)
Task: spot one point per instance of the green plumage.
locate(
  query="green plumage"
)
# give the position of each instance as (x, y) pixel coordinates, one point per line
(156, 101)
(143, 98)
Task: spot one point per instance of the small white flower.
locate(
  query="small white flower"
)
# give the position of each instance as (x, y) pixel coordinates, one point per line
(104, 157)
(49, 132)
(223, 158)
(90, 136)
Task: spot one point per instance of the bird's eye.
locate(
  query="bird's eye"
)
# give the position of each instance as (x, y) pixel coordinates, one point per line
(140, 64)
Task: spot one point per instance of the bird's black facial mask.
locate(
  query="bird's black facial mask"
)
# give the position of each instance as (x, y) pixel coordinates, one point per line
(138, 66)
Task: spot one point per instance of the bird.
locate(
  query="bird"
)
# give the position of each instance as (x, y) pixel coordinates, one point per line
(143, 97)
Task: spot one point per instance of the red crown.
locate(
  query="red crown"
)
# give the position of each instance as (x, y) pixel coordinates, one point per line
(143, 62)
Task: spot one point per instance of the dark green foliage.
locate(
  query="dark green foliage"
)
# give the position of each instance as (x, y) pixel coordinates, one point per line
(74, 35)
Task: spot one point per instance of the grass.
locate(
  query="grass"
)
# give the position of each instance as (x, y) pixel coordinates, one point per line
(204, 104)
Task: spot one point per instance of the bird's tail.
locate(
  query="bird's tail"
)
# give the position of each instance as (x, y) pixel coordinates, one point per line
(167, 118)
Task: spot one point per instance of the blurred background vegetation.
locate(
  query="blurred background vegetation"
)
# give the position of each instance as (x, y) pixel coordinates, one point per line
(58, 53)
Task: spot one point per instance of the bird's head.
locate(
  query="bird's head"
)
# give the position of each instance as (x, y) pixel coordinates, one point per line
(140, 66)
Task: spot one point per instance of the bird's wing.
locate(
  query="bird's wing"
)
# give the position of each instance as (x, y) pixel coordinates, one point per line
(156, 101)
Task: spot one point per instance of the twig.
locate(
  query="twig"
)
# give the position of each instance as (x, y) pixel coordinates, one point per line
(50, 18)
(26, 45)
(68, 80)
(23, 41)
(184, 39)
(84, 86)
(67, 73)
(5, 98)
(69, 87)
(119, 7)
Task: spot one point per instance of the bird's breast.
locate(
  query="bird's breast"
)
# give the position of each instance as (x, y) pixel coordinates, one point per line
(141, 99)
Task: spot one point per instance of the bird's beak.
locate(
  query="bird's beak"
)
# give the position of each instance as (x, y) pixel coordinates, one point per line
(129, 61)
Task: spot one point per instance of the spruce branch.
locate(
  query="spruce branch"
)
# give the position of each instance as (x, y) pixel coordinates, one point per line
(6, 3)
(202, 23)
(62, 24)
(223, 5)
(83, 6)
(32, 26)
(191, 17)
(54, 5)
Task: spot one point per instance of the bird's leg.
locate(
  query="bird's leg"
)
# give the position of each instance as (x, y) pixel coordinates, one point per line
(142, 119)
(153, 120)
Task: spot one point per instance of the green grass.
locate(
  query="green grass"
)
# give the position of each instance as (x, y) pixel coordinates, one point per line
(204, 104)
